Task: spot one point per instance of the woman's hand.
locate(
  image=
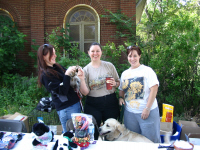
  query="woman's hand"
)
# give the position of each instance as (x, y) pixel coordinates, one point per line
(145, 114)
(70, 70)
(121, 101)
(81, 74)
(112, 82)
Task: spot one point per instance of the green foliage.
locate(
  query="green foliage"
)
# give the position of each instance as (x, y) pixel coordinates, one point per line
(11, 42)
(74, 57)
(169, 37)
(60, 40)
(125, 25)
(19, 94)
(67, 52)
(113, 54)
(33, 54)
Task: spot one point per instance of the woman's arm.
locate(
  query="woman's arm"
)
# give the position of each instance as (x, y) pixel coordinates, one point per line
(83, 87)
(54, 84)
(152, 96)
(121, 97)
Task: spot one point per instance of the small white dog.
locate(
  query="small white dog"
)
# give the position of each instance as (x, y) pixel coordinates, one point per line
(114, 131)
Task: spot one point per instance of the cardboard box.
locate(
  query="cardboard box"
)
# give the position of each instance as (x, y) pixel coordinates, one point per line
(188, 123)
(57, 129)
(18, 116)
(176, 131)
(188, 127)
(165, 127)
(194, 138)
(5, 116)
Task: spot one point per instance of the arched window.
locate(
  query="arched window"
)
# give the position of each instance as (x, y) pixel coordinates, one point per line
(84, 26)
(6, 15)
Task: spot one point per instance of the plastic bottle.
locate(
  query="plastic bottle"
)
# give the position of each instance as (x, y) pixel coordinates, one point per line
(91, 132)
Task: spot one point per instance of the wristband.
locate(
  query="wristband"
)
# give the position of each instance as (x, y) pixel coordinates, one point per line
(147, 108)
(121, 97)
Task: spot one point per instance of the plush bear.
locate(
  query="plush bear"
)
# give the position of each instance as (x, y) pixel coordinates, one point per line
(43, 134)
(65, 142)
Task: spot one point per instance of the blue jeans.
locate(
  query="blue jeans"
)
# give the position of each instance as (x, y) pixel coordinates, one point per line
(65, 114)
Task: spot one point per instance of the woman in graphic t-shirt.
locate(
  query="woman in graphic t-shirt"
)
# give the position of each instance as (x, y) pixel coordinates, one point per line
(138, 90)
(100, 102)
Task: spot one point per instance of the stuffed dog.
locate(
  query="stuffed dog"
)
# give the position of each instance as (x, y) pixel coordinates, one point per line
(75, 81)
(65, 142)
(43, 135)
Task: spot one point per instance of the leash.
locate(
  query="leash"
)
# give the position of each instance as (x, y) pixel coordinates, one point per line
(121, 114)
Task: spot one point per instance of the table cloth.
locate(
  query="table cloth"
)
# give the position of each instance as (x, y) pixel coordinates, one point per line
(26, 144)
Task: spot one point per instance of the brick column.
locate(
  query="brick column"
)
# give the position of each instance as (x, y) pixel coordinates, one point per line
(128, 7)
(37, 20)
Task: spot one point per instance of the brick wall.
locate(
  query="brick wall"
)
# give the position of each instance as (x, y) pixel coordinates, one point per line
(35, 17)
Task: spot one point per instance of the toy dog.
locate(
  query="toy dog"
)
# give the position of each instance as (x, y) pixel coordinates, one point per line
(65, 142)
(75, 81)
(42, 133)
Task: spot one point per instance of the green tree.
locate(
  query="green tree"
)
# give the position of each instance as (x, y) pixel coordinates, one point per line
(11, 42)
(169, 37)
(125, 25)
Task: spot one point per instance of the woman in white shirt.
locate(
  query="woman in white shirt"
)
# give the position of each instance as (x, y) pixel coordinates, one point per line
(138, 90)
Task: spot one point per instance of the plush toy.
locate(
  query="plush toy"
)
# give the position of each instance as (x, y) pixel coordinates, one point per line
(75, 81)
(65, 142)
(43, 134)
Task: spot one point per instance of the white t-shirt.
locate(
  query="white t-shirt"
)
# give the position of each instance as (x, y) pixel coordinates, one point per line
(96, 78)
(136, 84)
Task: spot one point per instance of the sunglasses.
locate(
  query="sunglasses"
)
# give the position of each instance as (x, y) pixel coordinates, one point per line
(130, 47)
(45, 46)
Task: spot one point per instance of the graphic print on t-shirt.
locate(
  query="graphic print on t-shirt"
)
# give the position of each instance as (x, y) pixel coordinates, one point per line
(134, 90)
(98, 83)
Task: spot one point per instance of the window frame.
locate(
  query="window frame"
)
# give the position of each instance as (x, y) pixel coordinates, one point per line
(81, 24)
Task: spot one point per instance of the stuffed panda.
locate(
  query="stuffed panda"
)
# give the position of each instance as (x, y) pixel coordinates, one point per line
(65, 142)
(43, 135)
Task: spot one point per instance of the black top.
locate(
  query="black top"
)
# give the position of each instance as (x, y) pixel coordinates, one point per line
(63, 95)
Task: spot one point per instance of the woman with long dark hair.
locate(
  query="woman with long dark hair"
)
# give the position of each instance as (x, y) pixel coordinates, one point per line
(56, 80)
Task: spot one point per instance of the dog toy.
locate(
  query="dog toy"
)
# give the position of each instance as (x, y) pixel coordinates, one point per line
(43, 135)
(65, 142)
(75, 81)
(8, 141)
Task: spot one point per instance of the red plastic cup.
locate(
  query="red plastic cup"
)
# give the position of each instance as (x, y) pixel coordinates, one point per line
(108, 85)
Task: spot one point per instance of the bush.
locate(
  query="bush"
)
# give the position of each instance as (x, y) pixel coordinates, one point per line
(19, 94)
(11, 42)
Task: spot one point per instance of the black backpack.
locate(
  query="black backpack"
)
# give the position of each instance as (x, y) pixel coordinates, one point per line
(45, 104)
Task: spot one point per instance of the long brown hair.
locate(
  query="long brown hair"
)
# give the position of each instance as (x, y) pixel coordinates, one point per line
(43, 50)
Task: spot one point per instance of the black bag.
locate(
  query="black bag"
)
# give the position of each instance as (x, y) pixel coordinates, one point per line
(45, 104)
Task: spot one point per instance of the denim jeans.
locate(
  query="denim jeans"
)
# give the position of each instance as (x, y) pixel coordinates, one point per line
(65, 114)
